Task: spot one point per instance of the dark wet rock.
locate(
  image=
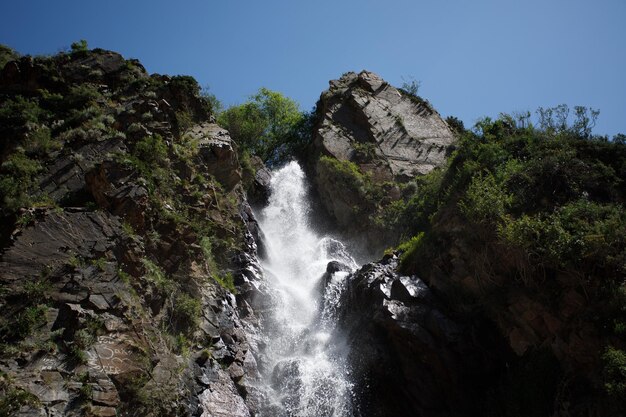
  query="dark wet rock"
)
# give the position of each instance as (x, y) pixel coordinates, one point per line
(335, 266)
(331, 268)
(259, 188)
(409, 356)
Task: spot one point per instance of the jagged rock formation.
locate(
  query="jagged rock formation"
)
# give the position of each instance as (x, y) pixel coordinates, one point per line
(126, 235)
(406, 135)
(369, 139)
(410, 356)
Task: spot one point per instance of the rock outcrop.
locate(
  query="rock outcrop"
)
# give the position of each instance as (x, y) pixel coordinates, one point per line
(405, 134)
(409, 355)
(369, 138)
(125, 237)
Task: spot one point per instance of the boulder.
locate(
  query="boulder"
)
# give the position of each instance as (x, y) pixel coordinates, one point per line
(217, 151)
(402, 132)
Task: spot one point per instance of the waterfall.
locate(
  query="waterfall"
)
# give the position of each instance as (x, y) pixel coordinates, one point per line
(305, 360)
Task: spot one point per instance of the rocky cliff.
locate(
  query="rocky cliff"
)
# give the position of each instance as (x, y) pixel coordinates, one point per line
(371, 138)
(129, 279)
(128, 257)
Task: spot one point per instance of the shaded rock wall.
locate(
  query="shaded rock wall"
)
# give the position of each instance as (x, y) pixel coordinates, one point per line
(409, 354)
(128, 262)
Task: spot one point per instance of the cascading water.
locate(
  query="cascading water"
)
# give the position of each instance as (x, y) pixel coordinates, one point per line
(305, 362)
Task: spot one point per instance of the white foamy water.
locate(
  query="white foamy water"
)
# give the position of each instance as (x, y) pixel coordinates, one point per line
(305, 367)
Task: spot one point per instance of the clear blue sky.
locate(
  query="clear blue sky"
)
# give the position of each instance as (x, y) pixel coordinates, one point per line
(473, 58)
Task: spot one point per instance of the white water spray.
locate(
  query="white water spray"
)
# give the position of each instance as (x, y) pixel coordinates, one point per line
(305, 359)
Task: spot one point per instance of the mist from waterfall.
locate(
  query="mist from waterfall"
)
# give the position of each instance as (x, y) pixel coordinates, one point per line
(305, 361)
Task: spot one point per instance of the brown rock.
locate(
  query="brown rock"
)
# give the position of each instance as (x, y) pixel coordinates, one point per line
(217, 151)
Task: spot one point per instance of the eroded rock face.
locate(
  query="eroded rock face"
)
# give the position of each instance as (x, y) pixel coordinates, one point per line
(406, 134)
(409, 356)
(218, 153)
(378, 137)
(118, 285)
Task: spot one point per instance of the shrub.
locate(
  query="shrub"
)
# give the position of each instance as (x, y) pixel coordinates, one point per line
(615, 373)
(79, 46)
(26, 321)
(410, 251)
(579, 232)
(17, 177)
(345, 172)
(156, 276)
(151, 150)
(82, 95)
(17, 111)
(12, 398)
(186, 311)
(40, 142)
(485, 200)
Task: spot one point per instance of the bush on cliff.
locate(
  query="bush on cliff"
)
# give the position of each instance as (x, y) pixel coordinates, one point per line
(270, 125)
(534, 210)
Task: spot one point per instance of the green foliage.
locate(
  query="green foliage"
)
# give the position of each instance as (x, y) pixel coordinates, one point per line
(555, 120)
(227, 281)
(411, 86)
(455, 124)
(129, 229)
(7, 55)
(40, 142)
(410, 250)
(184, 121)
(151, 150)
(615, 372)
(156, 276)
(550, 197)
(485, 199)
(79, 46)
(345, 172)
(82, 95)
(421, 199)
(207, 249)
(577, 232)
(17, 177)
(12, 398)
(25, 219)
(186, 311)
(37, 290)
(224, 280)
(26, 321)
(216, 105)
(99, 263)
(269, 125)
(17, 111)
(186, 84)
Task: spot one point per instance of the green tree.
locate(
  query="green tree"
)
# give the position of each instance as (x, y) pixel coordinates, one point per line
(411, 85)
(269, 125)
(80, 46)
(216, 104)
